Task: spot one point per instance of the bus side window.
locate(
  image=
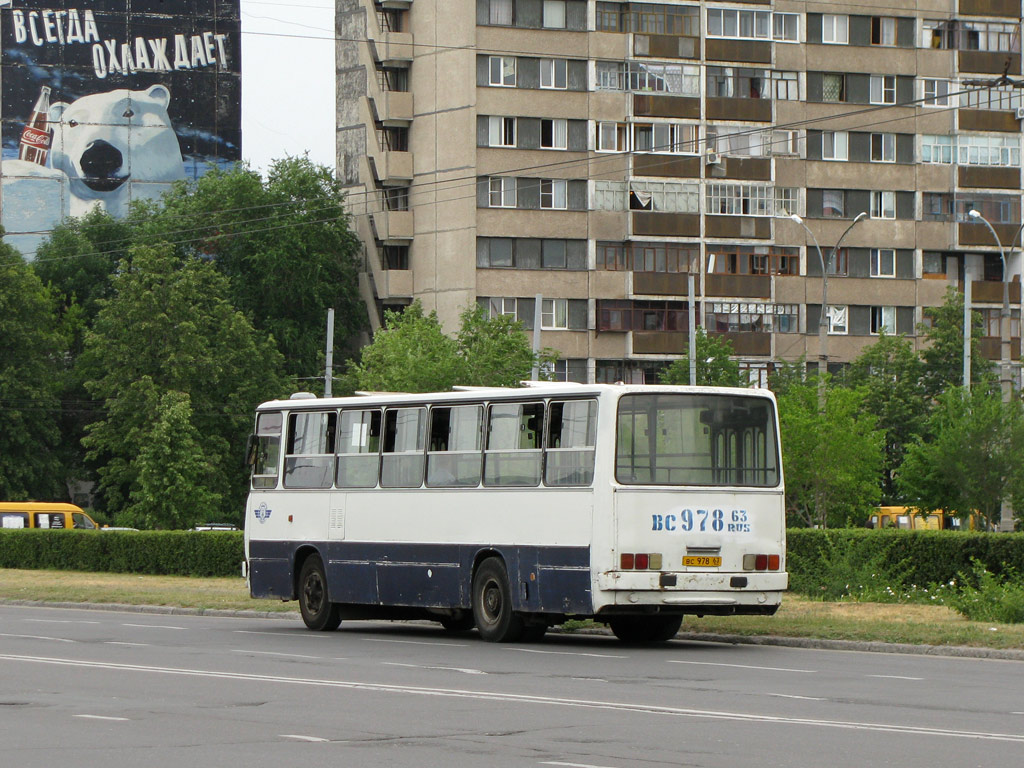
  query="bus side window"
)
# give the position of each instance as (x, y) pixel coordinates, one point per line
(404, 439)
(81, 521)
(49, 520)
(456, 437)
(267, 450)
(309, 462)
(358, 449)
(14, 520)
(513, 453)
(572, 435)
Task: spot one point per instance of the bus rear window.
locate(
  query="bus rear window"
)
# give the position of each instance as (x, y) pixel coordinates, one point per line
(684, 439)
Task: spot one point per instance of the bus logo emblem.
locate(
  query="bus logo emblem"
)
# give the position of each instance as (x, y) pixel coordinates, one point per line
(262, 513)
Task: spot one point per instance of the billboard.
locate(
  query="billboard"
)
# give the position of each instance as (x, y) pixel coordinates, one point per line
(108, 101)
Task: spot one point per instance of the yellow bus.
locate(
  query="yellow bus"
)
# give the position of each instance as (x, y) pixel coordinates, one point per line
(53, 515)
(912, 519)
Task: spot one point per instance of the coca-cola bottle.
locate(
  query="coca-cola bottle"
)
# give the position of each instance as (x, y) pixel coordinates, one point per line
(36, 137)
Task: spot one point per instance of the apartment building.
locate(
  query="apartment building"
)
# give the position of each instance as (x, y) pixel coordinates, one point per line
(599, 154)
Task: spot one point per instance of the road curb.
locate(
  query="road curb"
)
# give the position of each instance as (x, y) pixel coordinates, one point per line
(955, 651)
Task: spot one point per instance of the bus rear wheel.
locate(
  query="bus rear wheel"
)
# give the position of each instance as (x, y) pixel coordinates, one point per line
(645, 629)
(318, 612)
(492, 604)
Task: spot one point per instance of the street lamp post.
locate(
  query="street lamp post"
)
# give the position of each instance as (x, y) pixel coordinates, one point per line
(823, 319)
(1004, 315)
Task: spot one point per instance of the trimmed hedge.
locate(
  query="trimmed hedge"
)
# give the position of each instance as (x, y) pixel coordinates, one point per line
(931, 556)
(176, 553)
(928, 557)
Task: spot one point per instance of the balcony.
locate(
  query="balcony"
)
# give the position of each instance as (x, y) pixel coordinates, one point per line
(978, 234)
(746, 168)
(738, 286)
(987, 177)
(757, 227)
(661, 284)
(391, 107)
(751, 51)
(660, 342)
(991, 292)
(393, 168)
(666, 165)
(393, 226)
(1007, 8)
(666, 46)
(392, 48)
(666, 224)
(989, 62)
(990, 347)
(987, 120)
(722, 108)
(747, 343)
(653, 105)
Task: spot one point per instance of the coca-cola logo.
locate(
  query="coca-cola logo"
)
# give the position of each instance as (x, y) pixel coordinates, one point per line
(35, 138)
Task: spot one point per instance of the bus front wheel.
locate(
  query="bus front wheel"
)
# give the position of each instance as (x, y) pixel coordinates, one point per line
(645, 629)
(492, 604)
(318, 612)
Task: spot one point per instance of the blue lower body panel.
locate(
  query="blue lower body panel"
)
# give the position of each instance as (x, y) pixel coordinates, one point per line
(543, 579)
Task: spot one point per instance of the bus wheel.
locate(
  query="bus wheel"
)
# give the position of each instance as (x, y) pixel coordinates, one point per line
(318, 612)
(645, 629)
(492, 604)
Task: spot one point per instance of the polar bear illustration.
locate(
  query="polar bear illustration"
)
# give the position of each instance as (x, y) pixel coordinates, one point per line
(115, 147)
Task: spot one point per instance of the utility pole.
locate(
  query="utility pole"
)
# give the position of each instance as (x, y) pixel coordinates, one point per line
(329, 372)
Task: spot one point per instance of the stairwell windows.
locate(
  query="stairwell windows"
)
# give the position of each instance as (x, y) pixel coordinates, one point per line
(500, 12)
(833, 87)
(835, 29)
(883, 262)
(554, 14)
(554, 314)
(835, 145)
(554, 133)
(882, 89)
(502, 71)
(883, 30)
(936, 93)
(838, 319)
(883, 205)
(883, 320)
(553, 194)
(501, 131)
(612, 137)
(883, 147)
(502, 192)
(553, 73)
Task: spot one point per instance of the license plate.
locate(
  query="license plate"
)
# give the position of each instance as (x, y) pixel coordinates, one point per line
(702, 561)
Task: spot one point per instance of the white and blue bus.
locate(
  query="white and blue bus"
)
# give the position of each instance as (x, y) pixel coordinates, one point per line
(512, 510)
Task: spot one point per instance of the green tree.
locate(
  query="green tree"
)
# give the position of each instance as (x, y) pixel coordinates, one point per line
(890, 373)
(284, 242)
(30, 350)
(943, 355)
(832, 458)
(169, 327)
(494, 352)
(715, 366)
(971, 459)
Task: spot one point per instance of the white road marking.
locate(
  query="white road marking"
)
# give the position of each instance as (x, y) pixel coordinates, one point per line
(443, 669)
(896, 677)
(152, 626)
(288, 634)
(103, 717)
(62, 621)
(741, 666)
(118, 642)
(415, 642)
(514, 698)
(574, 765)
(274, 653)
(299, 737)
(793, 696)
(567, 653)
(39, 637)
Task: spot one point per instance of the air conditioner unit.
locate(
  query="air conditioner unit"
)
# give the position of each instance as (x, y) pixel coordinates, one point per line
(1020, 113)
(712, 157)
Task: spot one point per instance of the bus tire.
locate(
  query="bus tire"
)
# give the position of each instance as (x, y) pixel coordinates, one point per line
(318, 612)
(492, 604)
(645, 629)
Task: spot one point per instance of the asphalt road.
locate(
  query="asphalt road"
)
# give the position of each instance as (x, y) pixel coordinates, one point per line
(103, 689)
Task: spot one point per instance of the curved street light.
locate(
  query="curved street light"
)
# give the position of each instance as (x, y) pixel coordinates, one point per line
(823, 319)
(1004, 315)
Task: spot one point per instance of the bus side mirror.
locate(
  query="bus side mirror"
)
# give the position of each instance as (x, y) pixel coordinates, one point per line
(251, 448)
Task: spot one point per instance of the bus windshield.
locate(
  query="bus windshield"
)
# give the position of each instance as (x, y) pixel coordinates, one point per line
(692, 439)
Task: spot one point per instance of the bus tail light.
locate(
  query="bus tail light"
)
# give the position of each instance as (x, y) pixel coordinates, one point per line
(640, 561)
(762, 562)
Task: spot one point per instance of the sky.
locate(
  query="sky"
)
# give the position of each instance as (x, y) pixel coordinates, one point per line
(288, 97)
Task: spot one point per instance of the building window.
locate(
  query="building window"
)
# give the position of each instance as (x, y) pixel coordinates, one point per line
(554, 14)
(751, 317)
(883, 262)
(883, 319)
(883, 89)
(753, 25)
(785, 86)
(553, 194)
(744, 140)
(553, 73)
(937, 149)
(612, 137)
(989, 150)
(501, 131)
(936, 93)
(554, 133)
(503, 306)
(740, 199)
(833, 87)
(737, 83)
(883, 205)
(833, 203)
(396, 198)
(787, 201)
(753, 260)
(668, 78)
(502, 192)
(883, 30)
(835, 29)
(1005, 98)
(503, 71)
(566, 370)
(501, 13)
(834, 145)
(838, 324)
(554, 314)
(883, 147)
(638, 256)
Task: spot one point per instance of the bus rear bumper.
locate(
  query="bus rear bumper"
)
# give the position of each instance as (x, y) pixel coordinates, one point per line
(701, 594)
(675, 582)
